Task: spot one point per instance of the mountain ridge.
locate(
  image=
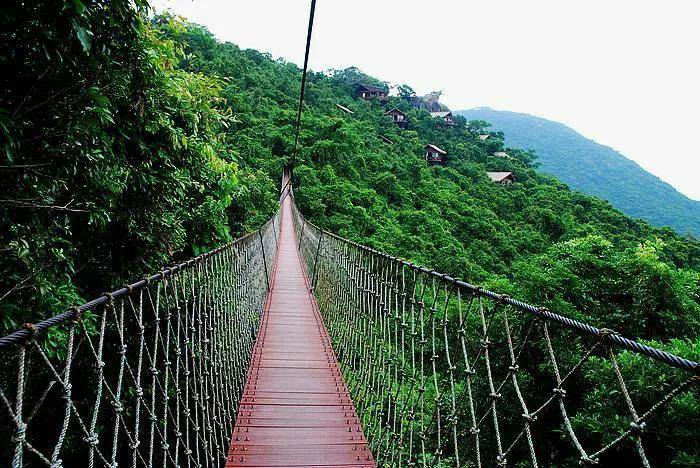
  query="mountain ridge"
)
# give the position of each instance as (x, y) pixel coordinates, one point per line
(608, 174)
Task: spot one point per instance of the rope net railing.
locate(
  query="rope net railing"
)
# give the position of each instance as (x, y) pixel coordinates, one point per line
(444, 373)
(148, 375)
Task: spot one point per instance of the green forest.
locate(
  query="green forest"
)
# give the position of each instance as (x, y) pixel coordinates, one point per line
(130, 142)
(595, 169)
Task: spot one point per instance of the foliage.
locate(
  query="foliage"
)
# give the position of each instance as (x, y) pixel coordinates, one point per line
(129, 143)
(114, 160)
(596, 169)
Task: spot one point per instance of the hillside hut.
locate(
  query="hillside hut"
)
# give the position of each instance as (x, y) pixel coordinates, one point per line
(501, 154)
(445, 118)
(344, 109)
(398, 117)
(484, 137)
(435, 155)
(367, 92)
(503, 178)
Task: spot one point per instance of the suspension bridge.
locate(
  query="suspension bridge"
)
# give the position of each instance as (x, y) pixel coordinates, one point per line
(295, 347)
(292, 346)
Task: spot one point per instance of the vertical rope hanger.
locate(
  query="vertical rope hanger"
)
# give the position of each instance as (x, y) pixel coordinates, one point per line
(301, 91)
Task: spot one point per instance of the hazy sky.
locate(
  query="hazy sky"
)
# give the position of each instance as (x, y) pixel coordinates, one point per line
(625, 73)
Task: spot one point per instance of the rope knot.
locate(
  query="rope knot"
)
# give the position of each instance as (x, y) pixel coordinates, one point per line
(604, 332)
(92, 440)
(77, 314)
(31, 327)
(529, 417)
(474, 430)
(638, 426)
(586, 460)
(110, 298)
(501, 459)
(559, 392)
(20, 433)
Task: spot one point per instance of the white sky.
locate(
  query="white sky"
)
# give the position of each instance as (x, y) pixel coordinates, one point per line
(625, 73)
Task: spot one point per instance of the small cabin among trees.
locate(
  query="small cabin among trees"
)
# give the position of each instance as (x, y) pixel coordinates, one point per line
(434, 155)
(501, 154)
(484, 137)
(398, 117)
(503, 178)
(368, 92)
(445, 117)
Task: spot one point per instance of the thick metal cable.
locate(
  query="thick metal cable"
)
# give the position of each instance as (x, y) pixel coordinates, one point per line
(295, 150)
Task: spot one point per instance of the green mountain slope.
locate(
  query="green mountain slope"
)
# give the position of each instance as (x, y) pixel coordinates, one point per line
(595, 169)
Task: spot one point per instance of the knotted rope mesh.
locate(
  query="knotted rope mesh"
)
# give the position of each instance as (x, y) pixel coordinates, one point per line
(149, 375)
(444, 373)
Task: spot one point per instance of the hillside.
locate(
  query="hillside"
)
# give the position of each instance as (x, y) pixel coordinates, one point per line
(166, 142)
(595, 169)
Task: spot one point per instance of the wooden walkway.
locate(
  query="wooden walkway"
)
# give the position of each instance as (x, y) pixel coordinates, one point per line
(296, 409)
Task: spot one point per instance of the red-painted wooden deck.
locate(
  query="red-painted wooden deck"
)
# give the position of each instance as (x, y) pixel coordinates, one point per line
(296, 409)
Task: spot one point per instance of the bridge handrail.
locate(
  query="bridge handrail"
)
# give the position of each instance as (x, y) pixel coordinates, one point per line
(606, 335)
(22, 334)
(431, 360)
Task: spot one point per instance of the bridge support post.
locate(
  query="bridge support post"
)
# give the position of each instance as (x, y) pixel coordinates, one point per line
(262, 245)
(315, 275)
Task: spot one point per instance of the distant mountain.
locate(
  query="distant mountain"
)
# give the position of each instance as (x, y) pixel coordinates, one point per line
(595, 169)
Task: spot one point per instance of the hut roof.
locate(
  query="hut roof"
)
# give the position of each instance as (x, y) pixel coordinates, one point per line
(484, 137)
(394, 111)
(441, 114)
(501, 154)
(386, 139)
(430, 146)
(367, 87)
(500, 176)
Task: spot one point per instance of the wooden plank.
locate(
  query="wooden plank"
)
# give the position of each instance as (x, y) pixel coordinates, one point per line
(296, 409)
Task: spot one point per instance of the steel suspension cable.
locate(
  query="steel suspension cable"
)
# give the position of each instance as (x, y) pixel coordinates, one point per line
(302, 91)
